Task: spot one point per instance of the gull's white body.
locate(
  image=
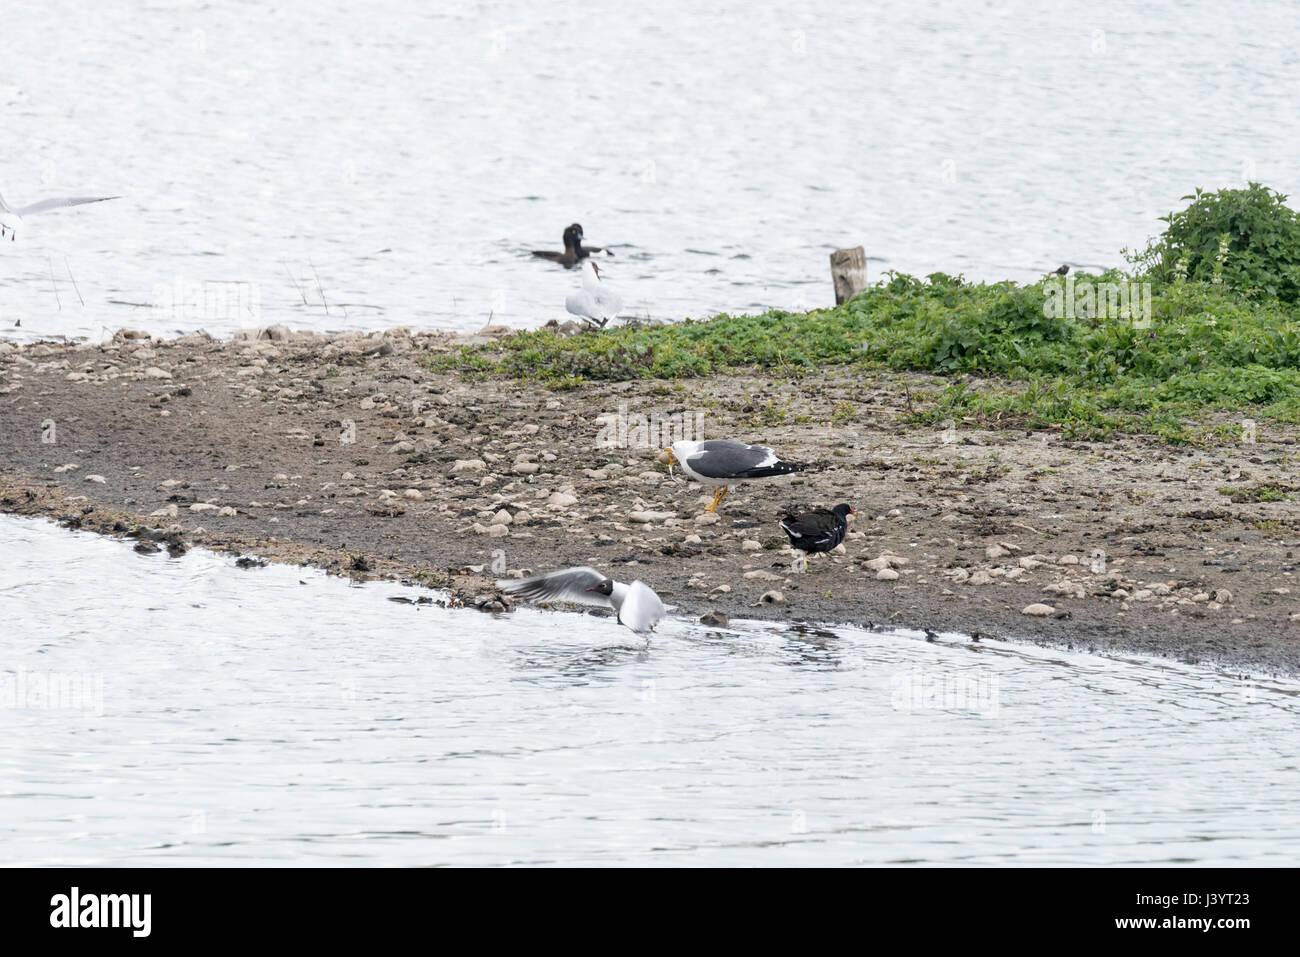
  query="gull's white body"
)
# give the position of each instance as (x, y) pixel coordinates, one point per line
(637, 605)
(596, 302)
(12, 217)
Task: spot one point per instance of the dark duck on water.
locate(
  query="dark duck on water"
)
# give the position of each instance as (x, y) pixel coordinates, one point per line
(574, 251)
(816, 531)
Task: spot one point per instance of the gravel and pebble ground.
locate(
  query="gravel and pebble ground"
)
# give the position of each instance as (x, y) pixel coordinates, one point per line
(346, 452)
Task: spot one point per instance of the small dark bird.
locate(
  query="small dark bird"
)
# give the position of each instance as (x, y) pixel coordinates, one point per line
(816, 531)
(1060, 270)
(574, 251)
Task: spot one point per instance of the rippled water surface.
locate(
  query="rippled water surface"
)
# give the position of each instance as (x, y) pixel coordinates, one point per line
(278, 716)
(388, 162)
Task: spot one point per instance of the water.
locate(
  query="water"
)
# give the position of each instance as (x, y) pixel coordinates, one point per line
(278, 716)
(395, 163)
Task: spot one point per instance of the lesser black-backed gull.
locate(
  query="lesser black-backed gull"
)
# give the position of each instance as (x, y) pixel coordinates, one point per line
(725, 462)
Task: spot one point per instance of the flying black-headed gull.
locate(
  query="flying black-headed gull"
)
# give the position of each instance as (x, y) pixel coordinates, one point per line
(574, 251)
(11, 218)
(596, 302)
(817, 531)
(636, 605)
(725, 462)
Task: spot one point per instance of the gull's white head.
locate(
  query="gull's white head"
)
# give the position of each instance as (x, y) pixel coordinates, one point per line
(681, 450)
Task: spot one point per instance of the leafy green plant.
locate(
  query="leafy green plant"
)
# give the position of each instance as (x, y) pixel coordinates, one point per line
(1247, 239)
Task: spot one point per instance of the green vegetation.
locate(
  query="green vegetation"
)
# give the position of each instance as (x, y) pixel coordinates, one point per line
(1223, 336)
(1266, 492)
(1247, 239)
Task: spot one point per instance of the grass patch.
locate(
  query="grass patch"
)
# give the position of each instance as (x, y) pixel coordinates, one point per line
(1264, 492)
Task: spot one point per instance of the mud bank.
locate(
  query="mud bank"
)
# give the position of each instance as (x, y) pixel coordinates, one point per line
(349, 454)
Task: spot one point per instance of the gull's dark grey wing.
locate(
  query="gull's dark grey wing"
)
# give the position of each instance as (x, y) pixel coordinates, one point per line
(728, 459)
(567, 584)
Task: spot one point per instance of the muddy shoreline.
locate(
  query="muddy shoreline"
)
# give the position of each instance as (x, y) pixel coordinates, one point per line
(347, 453)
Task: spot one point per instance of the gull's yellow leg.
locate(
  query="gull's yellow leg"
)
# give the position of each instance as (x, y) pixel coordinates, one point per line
(717, 497)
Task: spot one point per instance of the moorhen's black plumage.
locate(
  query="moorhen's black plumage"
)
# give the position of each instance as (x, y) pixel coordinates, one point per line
(819, 530)
(574, 251)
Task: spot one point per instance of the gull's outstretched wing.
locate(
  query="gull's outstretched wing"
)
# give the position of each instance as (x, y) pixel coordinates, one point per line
(567, 584)
(48, 204)
(641, 608)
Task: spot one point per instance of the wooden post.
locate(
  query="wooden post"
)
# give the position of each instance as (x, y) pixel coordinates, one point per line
(849, 273)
